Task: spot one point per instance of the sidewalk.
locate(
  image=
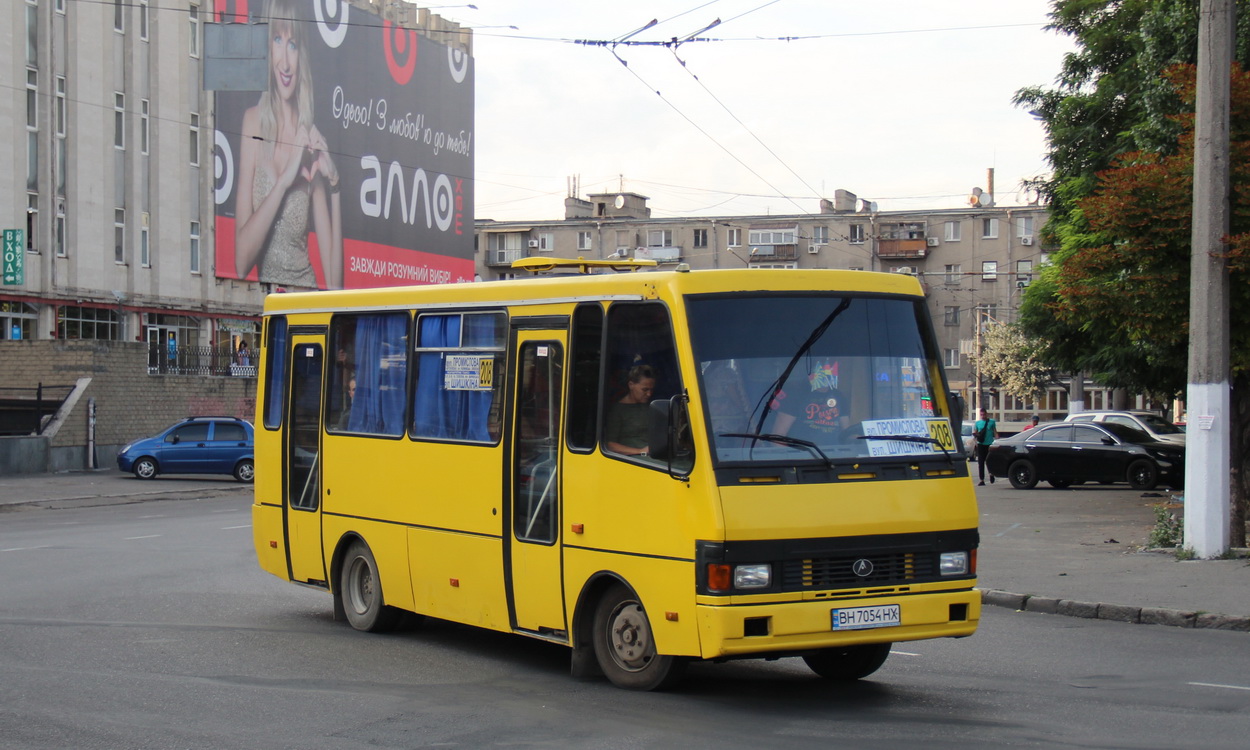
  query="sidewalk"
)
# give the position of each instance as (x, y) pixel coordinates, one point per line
(1073, 552)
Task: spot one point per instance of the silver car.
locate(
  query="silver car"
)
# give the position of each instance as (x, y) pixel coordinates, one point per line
(1149, 422)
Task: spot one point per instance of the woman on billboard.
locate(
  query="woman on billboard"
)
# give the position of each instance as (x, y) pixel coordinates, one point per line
(286, 175)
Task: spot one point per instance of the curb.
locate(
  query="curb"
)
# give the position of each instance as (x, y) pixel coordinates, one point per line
(1115, 612)
(91, 501)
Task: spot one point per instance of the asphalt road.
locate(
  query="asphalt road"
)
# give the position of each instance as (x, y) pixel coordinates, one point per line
(148, 625)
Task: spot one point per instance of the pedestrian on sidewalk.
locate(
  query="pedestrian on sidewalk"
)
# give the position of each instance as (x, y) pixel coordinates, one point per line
(985, 431)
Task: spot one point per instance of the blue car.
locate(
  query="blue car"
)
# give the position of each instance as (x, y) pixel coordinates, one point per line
(196, 445)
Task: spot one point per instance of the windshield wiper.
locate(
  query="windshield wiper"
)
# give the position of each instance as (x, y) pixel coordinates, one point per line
(783, 440)
(803, 349)
(909, 439)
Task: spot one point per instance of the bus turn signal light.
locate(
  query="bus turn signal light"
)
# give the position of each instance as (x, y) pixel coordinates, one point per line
(719, 577)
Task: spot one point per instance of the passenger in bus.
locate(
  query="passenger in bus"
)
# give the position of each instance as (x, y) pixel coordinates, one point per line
(626, 429)
(728, 407)
(346, 413)
(822, 416)
(287, 180)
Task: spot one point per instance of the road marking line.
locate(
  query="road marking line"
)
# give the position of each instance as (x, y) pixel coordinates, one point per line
(1009, 528)
(23, 549)
(903, 653)
(1216, 685)
(149, 536)
(244, 526)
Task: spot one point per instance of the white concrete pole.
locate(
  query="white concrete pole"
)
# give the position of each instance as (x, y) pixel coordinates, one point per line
(1207, 462)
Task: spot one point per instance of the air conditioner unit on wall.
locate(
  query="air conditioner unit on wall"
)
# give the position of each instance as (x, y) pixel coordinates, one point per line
(813, 249)
(1026, 240)
(931, 241)
(533, 243)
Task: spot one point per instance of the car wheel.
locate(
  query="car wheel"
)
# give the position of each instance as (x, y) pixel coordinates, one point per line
(1060, 484)
(245, 470)
(625, 645)
(361, 588)
(1142, 475)
(145, 468)
(1023, 475)
(848, 663)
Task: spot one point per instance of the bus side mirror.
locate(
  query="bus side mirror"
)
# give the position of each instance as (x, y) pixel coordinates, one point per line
(958, 409)
(668, 435)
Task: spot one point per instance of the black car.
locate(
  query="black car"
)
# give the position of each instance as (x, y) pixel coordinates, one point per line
(1068, 453)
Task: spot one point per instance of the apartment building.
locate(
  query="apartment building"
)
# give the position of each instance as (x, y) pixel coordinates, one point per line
(973, 261)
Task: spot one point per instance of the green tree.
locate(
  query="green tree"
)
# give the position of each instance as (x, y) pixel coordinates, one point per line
(1014, 359)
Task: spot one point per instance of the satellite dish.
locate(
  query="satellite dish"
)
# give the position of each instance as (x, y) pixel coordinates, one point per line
(620, 201)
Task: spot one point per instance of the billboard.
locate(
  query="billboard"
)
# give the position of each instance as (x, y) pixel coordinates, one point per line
(354, 168)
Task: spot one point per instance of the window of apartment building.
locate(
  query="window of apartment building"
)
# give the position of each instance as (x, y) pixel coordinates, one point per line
(659, 238)
(32, 221)
(144, 125)
(1024, 226)
(772, 236)
(546, 242)
(774, 265)
(60, 107)
(143, 20)
(87, 323)
(119, 16)
(950, 358)
(119, 235)
(820, 235)
(856, 234)
(952, 231)
(60, 6)
(1024, 272)
(952, 315)
(17, 321)
(733, 238)
(195, 247)
(32, 33)
(119, 120)
(989, 229)
(59, 125)
(700, 238)
(989, 270)
(145, 244)
(583, 240)
(32, 129)
(193, 17)
(195, 139)
(59, 232)
(954, 273)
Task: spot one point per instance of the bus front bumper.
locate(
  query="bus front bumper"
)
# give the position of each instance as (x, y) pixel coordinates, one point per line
(744, 630)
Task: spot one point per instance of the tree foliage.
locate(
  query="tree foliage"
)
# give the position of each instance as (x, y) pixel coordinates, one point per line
(1015, 360)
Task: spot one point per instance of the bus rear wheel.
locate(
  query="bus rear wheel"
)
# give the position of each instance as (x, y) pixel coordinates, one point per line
(625, 646)
(848, 663)
(361, 590)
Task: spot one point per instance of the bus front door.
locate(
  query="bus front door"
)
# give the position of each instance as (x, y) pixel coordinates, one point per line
(301, 461)
(535, 585)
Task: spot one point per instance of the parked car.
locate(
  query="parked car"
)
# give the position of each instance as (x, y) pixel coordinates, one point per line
(195, 445)
(968, 434)
(1066, 453)
(1149, 422)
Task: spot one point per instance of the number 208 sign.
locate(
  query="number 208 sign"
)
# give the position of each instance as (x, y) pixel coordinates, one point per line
(14, 257)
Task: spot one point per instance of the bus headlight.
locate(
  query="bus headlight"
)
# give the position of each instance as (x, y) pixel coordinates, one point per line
(753, 576)
(953, 563)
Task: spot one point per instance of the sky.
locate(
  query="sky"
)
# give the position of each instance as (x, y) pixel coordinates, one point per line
(906, 103)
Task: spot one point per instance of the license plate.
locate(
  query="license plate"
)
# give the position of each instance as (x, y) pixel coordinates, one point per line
(859, 618)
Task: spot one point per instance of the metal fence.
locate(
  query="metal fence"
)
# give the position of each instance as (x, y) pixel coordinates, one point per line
(24, 411)
(199, 360)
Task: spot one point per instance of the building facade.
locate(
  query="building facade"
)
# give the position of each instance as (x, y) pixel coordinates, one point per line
(974, 262)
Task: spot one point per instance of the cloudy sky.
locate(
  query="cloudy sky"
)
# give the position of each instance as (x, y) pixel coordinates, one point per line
(903, 102)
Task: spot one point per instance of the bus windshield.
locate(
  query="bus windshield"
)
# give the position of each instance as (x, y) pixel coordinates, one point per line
(821, 377)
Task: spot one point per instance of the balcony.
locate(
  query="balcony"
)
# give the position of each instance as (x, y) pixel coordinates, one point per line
(503, 257)
(773, 253)
(658, 254)
(913, 248)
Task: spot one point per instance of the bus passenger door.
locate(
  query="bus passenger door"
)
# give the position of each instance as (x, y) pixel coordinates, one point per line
(535, 586)
(301, 461)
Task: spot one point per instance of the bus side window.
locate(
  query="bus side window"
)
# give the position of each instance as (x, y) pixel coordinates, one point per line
(369, 375)
(586, 360)
(639, 342)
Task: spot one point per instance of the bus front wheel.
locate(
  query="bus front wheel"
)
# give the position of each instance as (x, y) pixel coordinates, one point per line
(361, 590)
(625, 646)
(849, 663)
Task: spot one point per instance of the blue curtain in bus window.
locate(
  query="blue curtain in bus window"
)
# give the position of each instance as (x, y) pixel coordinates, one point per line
(440, 412)
(275, 374)
(381, 375)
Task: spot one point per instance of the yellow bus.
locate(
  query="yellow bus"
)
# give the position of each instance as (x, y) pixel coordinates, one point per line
(650, 468)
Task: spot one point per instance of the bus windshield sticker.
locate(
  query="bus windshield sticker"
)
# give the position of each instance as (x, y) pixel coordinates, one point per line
(469, 372)
(938, 430)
